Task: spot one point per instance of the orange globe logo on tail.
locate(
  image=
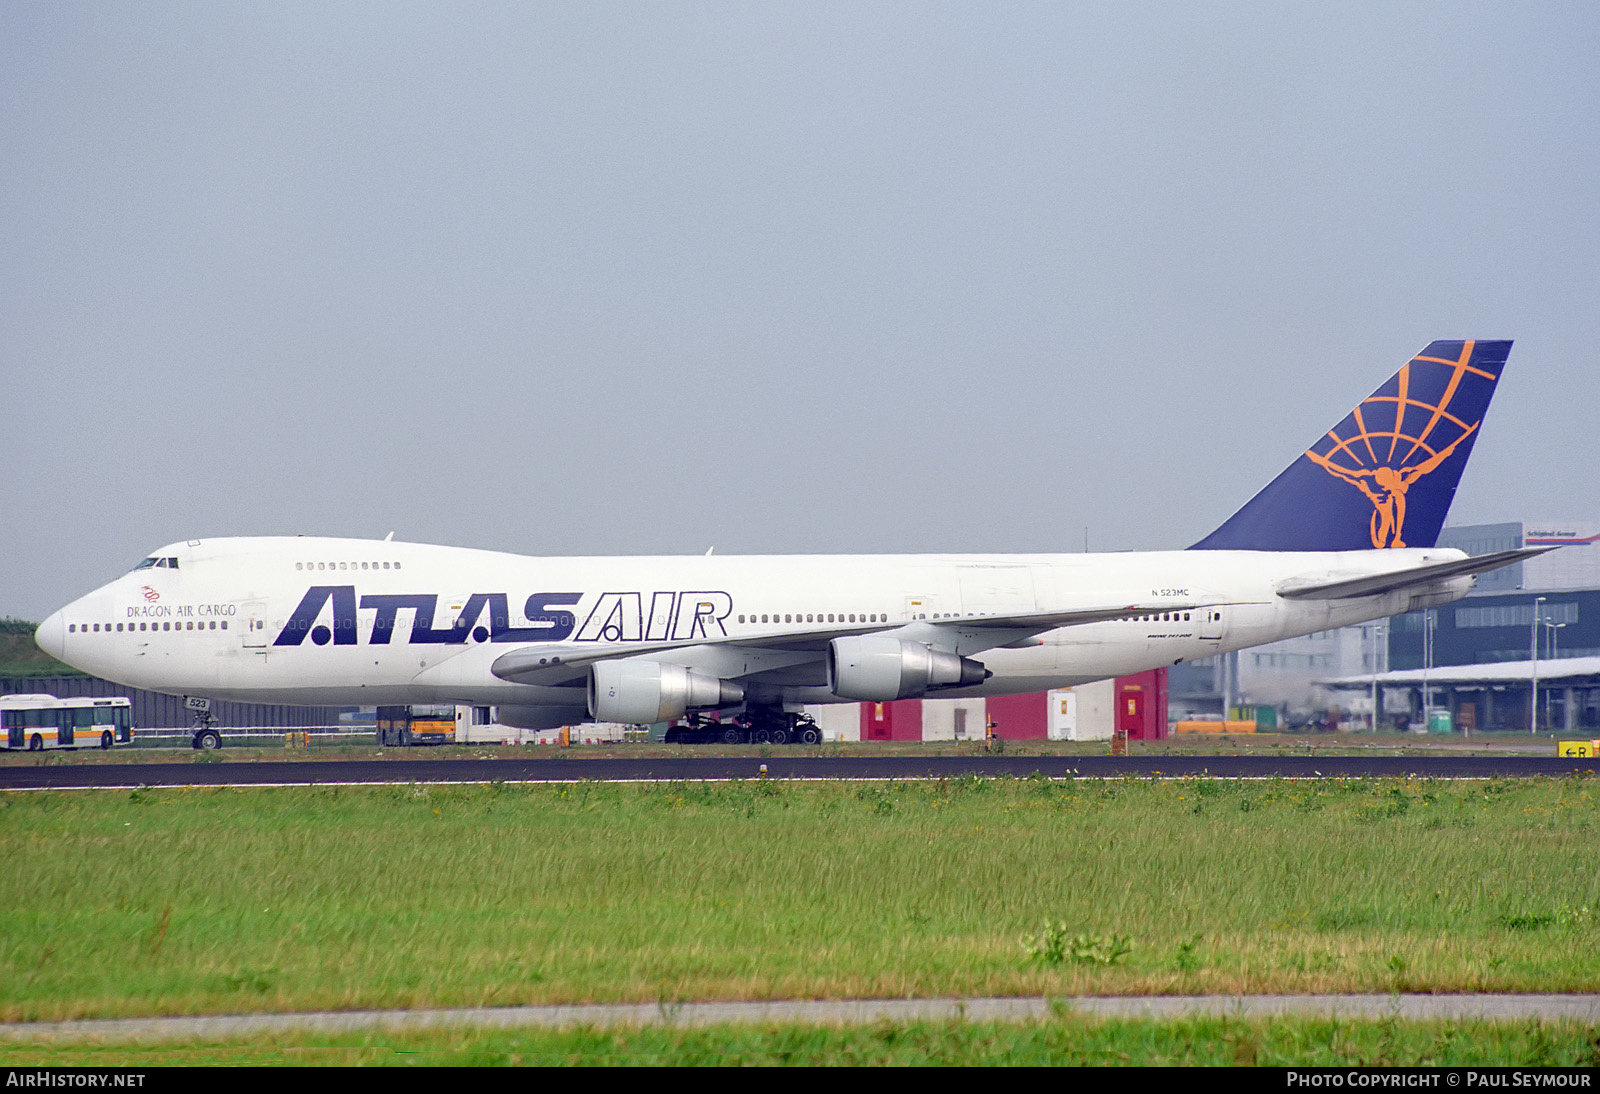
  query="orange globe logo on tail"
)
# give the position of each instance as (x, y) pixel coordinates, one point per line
(1397, 438)
(1402, 450)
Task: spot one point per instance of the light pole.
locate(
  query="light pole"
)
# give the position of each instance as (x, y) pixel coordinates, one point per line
(1552, 635)
(1533, 660)
(1377, 645)
(1429, 620)
(1551, 640)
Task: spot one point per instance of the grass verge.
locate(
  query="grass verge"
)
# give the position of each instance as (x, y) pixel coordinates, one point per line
(1190, 1042)
(270, 747)
(173, 901)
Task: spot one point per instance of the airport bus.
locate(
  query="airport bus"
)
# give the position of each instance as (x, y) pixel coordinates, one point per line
(34, 722)
(419, 725)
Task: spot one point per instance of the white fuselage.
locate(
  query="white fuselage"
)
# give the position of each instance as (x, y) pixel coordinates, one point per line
(360, 622)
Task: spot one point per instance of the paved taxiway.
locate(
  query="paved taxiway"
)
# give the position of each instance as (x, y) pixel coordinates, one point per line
(670, 768)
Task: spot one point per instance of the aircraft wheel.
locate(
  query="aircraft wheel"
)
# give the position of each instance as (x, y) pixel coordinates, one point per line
(732, 735)
(105, 740)
(779, 736)
(208, 740)
(808, 735)
(761, 736)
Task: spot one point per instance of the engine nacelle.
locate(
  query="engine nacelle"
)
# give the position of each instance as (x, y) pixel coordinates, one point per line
(539, 717)
(878, 668)
(640, 692)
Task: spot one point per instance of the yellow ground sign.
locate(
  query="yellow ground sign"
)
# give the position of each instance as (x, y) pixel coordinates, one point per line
(1198, 726)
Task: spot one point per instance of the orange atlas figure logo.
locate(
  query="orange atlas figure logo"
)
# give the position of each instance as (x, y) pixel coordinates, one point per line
(1397, 437)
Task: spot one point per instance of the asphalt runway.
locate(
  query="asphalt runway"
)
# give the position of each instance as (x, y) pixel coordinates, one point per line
(689, 768)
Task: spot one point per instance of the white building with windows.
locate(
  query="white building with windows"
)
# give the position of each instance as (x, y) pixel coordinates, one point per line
(1495, 623)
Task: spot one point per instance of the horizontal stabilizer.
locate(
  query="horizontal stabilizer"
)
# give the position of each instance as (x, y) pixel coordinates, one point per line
(1326, 588)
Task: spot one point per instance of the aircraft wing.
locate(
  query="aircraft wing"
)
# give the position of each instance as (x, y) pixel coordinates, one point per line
(563, 662)
(1333, 587)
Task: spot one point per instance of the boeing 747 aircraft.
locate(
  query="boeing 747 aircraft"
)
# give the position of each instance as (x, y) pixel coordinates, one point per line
(1345, 534)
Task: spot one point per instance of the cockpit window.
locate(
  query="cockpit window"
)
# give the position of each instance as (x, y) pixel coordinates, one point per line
(147, 563)
(157, 563)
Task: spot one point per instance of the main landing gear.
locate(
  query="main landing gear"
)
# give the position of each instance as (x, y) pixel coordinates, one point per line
(764, 725)
(757, 725)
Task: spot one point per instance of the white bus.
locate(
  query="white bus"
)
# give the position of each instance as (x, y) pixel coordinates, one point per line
(43, 721)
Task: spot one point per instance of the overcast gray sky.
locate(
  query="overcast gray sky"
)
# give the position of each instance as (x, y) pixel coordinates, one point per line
(601, 278)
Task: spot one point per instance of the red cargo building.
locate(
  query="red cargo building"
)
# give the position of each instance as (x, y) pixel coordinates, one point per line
(1138, 705)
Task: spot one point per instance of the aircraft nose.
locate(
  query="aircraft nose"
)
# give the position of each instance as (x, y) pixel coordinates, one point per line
(52, 637)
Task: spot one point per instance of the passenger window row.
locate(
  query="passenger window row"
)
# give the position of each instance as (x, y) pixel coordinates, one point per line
(168, 625)
(816, 617)
(346, 566)
(841, 617)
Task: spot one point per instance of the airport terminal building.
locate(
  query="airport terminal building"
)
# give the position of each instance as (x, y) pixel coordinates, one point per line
(1531, 629)
(1534, 623)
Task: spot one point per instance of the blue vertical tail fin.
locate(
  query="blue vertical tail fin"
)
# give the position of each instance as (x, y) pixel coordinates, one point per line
(1386, 474)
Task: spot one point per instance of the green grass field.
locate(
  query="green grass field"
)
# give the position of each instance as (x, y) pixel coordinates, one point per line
(1067, 1041)
(157, 902)
(239, 749)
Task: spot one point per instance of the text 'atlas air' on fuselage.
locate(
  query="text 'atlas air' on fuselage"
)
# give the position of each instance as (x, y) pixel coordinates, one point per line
(1343, 535)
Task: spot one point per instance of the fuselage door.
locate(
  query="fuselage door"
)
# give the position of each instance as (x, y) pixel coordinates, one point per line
(996, 589)
(253, 617)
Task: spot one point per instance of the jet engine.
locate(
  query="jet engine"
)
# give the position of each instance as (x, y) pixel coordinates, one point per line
(878, 668)
(639, 692)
